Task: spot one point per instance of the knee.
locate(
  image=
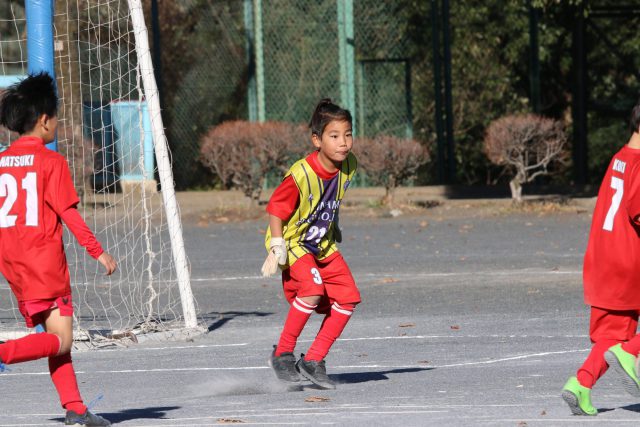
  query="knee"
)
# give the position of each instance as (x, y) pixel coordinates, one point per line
(312, 300)
(65, 344)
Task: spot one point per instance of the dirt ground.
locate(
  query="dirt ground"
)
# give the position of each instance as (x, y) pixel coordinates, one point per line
(204, 207)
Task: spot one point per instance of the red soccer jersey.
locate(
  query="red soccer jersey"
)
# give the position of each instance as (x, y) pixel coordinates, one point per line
(612, 261)
(35, 188)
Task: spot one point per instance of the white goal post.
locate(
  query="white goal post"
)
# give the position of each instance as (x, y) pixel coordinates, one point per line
(112, 134)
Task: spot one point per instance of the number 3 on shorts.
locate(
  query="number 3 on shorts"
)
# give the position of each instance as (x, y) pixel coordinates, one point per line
(316, 276)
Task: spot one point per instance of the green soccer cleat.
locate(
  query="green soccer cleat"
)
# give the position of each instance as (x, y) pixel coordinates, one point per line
(624, 365)
(578, 398)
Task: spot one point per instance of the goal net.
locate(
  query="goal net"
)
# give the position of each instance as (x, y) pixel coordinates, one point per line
(109, 123)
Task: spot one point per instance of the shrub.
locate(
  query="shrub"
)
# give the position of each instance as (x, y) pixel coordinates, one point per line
(242, 153)
(526, 145)
(390, 161)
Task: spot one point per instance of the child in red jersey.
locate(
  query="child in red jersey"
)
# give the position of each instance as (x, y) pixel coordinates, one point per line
(303, 230)
(36, 193)
(611, 278)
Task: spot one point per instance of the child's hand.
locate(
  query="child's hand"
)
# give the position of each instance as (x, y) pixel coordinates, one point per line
(108, 262)
(277, 255)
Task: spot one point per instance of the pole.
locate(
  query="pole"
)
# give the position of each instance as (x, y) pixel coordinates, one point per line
(39, 14)
(346, 55)
(164, 164)
(252, 95)
(257, 19)
(448, 102)
(157, 47)
(534, 58)
(579, 98)
(437, 91)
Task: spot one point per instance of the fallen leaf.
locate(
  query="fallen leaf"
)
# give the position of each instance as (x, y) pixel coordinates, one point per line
(455, 327)
(522, 424)
(543, 412)
(424, 362)
(423, 224)
(362, 355)
(397, 245)
(406, 325)
(388, 280)
(229, 421)
(312, 399)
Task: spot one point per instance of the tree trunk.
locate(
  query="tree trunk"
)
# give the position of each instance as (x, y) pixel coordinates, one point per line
(516, 190)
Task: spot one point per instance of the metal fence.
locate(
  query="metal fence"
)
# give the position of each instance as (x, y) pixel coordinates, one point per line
(273, 60)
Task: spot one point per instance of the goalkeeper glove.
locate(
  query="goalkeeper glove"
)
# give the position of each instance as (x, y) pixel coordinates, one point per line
(277, 256)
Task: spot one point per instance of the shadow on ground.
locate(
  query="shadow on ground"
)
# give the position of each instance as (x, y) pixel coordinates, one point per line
(220, 318)
(363, 377)
(156, 412)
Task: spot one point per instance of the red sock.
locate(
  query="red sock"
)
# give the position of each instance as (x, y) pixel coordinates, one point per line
(64, 378)
(331, 328)
(30, 347)
(632, 346)
(298, 315)
(595, 365)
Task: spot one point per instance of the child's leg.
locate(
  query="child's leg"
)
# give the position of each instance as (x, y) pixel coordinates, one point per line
(33, 346)
(340, 286)
(606, 329)
(304, 294)
(298, 316)
(332, 327)
(60, 365)
(632, 346)
(30, 347)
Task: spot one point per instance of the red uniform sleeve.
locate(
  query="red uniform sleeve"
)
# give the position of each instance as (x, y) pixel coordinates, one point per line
(81, 231)
(60, 194)
(284, 200)
(632, 190)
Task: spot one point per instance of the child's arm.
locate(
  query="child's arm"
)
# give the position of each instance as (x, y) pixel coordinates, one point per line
(86, 238)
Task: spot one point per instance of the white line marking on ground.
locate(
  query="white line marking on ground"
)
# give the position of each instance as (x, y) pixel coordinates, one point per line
(240, 368)
(507, 359)
(523, 272)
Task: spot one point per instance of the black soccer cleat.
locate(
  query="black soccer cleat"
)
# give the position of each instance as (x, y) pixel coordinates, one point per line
(285, 367)
(87, 419)
(316, 372)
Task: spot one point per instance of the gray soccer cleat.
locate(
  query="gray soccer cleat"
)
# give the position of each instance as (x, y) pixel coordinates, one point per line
(87, 419)
(285, 367)
(316, 372)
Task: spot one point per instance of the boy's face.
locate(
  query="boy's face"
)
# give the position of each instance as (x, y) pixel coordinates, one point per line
(336, 142)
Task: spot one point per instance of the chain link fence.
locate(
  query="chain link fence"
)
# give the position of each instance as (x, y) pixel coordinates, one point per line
(273, 60)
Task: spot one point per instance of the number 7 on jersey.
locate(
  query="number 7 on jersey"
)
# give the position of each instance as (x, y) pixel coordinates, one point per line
(618, 185)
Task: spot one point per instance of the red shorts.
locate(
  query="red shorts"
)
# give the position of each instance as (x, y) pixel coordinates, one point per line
(612, 324)
(331, 279)
(34, 310)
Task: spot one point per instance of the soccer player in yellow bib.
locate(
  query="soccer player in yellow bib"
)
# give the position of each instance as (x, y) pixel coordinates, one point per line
(301, 240)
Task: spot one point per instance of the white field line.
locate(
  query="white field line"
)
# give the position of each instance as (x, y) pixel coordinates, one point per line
(506, 273)
(337, 367)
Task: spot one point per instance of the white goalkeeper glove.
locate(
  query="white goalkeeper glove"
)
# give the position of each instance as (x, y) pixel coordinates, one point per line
(277, 256)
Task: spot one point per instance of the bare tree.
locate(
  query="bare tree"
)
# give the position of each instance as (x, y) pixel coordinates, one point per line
(390, 161)
(527, 145)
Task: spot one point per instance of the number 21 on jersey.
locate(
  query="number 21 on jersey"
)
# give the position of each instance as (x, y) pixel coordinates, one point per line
(9, 190)
(618, 185)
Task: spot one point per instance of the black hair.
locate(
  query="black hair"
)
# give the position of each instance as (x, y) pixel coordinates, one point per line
(326, 112)
(634, 120)
(24, 102)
